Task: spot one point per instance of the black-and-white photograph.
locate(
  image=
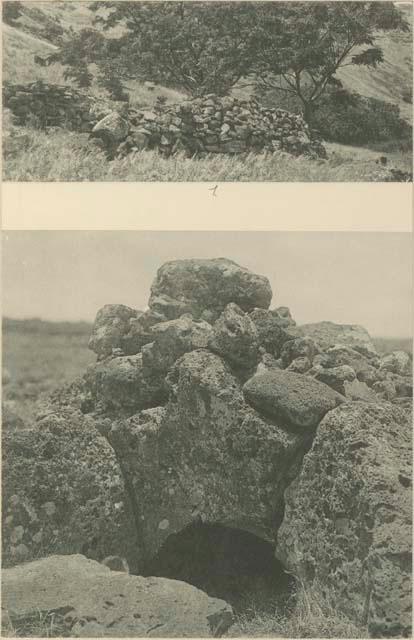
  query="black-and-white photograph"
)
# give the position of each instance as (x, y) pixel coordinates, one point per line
(206, 434)
(207, 91)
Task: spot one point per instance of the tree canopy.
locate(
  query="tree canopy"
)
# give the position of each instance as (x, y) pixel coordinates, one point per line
(208, 47)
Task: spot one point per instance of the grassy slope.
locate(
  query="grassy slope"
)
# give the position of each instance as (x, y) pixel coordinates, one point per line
(391, 79)
(65, 157)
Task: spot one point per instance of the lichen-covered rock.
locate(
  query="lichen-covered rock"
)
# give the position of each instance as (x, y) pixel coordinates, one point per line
(302, 364)
(347, 521)
(90, 600)
(205, 287)
(63, 488)
(329, 334)
(139, 332)
(173, 339)
(206, 455)
(111, 324)
(272, 330)
(398, 362)
(234, 337)
(291, 398)
(123, 384)
(298, 348)
(114, 125)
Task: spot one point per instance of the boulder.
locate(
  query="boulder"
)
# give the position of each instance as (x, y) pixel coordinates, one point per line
(302, 364)
(123, 384)
(329, 334)
(63, 488)
(347, 524)
(173, 339)
(111, 324)
(114, 127)
(234, 337)
(398, 362)
(139, 331)
(206, 456)
(272, 330)
(292, 399)
(298, 348)
(90, 600)
(205, 287)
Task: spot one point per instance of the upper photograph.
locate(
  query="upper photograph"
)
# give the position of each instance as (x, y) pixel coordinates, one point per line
(133, 91)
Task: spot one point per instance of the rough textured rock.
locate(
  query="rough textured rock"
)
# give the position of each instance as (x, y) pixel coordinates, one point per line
(298, 348)
(235, 338)
(347, 521)
(398, 362)
(329, 334)
(63, 488)
(123, 384)
(173, 339)
(206, 456)
(205, 287)
(94, 601)
(110, 326)
(272, 329)
(291, 398)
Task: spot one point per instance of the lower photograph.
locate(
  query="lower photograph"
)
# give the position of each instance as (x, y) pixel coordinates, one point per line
(206, 434)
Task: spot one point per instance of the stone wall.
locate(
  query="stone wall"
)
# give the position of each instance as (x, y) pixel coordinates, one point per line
(223, 125)
(203, 125)
(50, 105)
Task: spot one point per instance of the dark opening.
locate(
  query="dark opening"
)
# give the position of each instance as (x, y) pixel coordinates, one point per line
(226, 563)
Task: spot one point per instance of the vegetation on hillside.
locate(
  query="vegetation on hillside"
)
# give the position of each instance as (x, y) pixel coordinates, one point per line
(310, 58)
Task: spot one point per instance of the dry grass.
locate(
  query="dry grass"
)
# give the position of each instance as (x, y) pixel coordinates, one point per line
(309, 616)
(40, 625)
(34, 155)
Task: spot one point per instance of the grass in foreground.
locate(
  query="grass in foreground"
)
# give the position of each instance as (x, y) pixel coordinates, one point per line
(61, 156)
(310, 616)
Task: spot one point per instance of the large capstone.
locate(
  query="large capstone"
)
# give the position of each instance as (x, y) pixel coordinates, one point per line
(205, 287)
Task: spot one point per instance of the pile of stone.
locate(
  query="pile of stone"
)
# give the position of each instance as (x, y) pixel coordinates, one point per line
(204, 125)
(52, 105)
(220, 125)
(216, 409)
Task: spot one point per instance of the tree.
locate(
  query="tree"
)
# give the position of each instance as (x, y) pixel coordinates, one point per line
(301, 45)
(198, 47)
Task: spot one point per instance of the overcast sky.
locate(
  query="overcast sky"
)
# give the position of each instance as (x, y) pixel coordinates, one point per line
(361, 278)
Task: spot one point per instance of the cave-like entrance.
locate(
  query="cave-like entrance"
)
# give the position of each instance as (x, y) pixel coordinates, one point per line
(226, 563)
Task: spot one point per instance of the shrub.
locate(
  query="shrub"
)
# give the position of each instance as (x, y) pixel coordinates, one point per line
(350, 118)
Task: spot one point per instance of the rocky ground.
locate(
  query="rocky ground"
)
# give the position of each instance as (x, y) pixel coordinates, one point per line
(210, 417)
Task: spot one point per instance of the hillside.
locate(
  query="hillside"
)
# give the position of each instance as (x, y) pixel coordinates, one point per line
(393, 78)
(391, 81)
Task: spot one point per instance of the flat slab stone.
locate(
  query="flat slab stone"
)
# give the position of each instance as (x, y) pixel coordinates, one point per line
(95, 601)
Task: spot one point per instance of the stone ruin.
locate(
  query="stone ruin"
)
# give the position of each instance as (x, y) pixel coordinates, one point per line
(51, 105)
(203, 125)
(209, 408)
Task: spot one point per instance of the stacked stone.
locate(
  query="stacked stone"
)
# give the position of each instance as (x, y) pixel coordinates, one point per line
(51, 105)
(218, 409)
(204, 125)
(221, 125)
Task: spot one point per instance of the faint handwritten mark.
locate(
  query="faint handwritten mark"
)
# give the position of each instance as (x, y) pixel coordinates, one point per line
(214, 191)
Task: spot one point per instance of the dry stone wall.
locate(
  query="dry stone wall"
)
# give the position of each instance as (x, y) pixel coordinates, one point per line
(223, 125)
(204, 125)
(52, 105)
